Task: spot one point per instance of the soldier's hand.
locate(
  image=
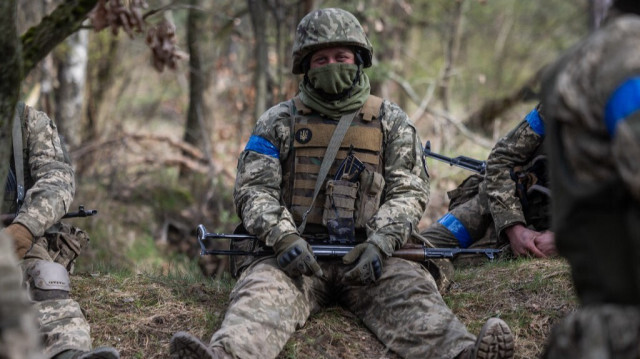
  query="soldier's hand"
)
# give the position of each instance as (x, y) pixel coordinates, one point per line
(522, 240)
(22, 238)
(546, 243)
(295, 257)
(369, 266)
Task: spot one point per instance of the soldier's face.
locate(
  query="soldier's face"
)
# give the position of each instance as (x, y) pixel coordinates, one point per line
(332, 55)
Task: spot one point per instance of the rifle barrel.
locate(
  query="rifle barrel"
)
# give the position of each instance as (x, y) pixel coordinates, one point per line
(467, 163)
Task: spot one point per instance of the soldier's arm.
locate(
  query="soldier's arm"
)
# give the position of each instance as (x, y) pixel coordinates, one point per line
(406, 183)
(626, 145)
(54, 182)
(257, 188)
(516, 148)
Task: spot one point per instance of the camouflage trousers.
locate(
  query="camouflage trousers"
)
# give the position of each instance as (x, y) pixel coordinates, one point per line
(403, 309)
(19, 338)
(62, 323)
(597, 332)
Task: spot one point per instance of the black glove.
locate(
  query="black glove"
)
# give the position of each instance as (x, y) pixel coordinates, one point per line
(295, 257)
(369, 266)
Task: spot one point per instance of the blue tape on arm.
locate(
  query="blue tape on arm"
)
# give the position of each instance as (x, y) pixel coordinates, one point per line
(457, 229)
(535, 122)
(624, 101)
(262, 145)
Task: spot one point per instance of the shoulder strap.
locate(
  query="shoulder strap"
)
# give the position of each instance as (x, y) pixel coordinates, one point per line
(327, 161)
(18, 159)
(301, 106)
(371, 108)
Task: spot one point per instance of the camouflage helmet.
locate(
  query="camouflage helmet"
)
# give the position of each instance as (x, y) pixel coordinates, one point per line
(328, 28)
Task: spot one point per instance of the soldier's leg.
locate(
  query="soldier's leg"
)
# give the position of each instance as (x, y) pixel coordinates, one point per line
(462, 226)
(266, 307)
(599, 331)
(19, 337)
(64, 329)
(62, 323)
(407, 313)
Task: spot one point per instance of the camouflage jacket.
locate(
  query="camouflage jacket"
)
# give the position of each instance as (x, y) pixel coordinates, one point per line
(517, 148)
(257, 192)
(49, 177)
(602, 141)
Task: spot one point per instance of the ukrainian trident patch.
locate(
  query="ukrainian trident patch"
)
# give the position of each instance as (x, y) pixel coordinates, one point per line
(303, 135)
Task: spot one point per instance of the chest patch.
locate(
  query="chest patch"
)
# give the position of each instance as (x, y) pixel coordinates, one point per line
(303, 135)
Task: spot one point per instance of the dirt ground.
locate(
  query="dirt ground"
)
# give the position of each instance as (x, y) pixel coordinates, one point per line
(138, 313)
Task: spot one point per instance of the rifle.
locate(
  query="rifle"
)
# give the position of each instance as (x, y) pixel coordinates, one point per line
(415, 253)
(467, 163)
(9, 217)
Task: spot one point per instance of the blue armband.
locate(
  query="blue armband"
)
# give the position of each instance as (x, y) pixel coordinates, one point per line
(624, 101)
(263, 146)
(535, 122)
(457, 229)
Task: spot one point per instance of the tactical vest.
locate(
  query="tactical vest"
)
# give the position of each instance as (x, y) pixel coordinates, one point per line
(597, 229)
(311, 134)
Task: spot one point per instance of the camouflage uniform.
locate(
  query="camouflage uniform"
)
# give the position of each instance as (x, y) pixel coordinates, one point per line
(19, 338)
(266, 300)
(591, 103)
(50, 186)
(482, 208)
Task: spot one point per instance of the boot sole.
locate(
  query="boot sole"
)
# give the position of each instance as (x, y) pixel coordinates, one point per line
(101, 353)
(186, 346)
(495, 341)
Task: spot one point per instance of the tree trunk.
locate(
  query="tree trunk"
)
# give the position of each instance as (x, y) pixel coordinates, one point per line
(195, 130)
(195, 19)
(257, 11)
(10, 77)
(453, 47)
(72, 75)
(100, 77)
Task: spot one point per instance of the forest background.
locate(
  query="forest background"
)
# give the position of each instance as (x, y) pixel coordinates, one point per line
(157, 106)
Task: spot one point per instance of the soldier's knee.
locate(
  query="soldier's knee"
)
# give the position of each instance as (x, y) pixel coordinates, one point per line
(47, 280)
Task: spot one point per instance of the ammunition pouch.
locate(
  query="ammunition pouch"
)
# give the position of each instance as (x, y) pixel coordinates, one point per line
(370, 193)
(61, 243)
(339, 209)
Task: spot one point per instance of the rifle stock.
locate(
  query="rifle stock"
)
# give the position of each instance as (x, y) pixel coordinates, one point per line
(411, 252)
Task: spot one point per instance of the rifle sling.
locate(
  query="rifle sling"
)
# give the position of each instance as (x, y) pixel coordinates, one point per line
(18, 159)
(327, 161)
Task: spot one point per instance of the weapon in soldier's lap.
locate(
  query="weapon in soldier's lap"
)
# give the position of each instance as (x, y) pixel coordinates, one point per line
(465, 162)
(81, 212)
(411, 252)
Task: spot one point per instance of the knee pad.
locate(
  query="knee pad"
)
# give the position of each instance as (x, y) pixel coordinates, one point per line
(47, 280)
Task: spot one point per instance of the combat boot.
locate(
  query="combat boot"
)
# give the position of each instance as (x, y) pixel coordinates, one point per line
(495, 341)
(186, 346)
(98, 353)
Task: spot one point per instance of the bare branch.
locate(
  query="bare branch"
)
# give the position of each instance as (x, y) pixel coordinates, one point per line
(423, 107)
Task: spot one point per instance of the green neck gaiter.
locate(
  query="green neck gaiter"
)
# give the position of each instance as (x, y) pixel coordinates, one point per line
(331, 80)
